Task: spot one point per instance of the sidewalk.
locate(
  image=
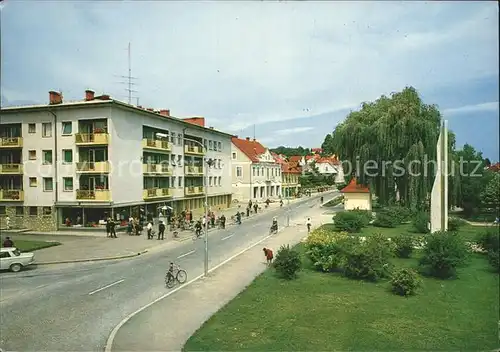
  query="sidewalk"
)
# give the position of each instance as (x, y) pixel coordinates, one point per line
(147, 331)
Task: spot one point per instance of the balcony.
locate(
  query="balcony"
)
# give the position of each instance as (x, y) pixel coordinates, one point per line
(11, 169)
(156, 193)
(193, 171)
(11, 195)
(98, 167)
(194, 190)
(157, 169)
(11, 142)
(156, 144)
(97, 195)
(83, 139)
(193, 150)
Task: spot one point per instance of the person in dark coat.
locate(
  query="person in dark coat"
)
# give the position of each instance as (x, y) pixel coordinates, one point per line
(8, 243)
(161, 230)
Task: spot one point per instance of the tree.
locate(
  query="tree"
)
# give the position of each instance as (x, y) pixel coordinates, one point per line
(327, 145)
(288, 152)
(393, 133)
(490, 196)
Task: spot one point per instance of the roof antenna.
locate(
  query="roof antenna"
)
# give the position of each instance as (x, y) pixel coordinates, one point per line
(253, 131)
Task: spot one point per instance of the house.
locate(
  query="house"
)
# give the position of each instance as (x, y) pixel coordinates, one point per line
(255, 173)
(290, 173)
(326, 166)
(357, 196)
(99, 157)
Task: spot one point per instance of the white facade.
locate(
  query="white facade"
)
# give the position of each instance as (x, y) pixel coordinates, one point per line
(44, 134)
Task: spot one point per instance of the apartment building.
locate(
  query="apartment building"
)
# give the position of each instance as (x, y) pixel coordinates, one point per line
(256, 174)
(86, 160)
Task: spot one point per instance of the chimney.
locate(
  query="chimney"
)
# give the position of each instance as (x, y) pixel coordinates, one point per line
(165, 112)
(89, 95)
(150, 109)
(211, 127)
(248, 138)
(55, 97)
(104, 97)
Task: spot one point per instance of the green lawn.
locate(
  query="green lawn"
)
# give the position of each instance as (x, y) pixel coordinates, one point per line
(30, 246)
(468, 231)
(320, 312)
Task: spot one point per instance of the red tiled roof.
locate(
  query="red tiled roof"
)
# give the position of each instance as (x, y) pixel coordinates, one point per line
(353, 187)
(200, 121)
(251, 148)
(495, 167)
(295, 158)
(291, 168)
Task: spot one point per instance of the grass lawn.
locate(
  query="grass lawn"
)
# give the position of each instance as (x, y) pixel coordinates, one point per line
(326, 312)
(30, 246)
(469, 232)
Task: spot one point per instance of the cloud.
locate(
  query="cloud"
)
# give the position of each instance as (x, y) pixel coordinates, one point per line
(288, 131)
(491, 106)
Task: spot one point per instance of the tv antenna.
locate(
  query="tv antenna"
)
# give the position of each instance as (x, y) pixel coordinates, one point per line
(129, 79)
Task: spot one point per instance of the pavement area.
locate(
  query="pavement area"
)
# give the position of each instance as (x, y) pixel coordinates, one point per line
(75, 307)
(148, 330)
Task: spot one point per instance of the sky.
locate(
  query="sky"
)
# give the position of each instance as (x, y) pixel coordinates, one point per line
(287, 71)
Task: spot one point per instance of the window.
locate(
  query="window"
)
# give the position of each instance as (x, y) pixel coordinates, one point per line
(219, 164)
(180, 182)
(33, 182)
(173, 181)
(233, 154)
(47, 210)
(172, 137)
(253, 171)
(47, 157)
(67, 128)
(210, 181)
(67, 156)
(48, 185)
(68, 184)
(5, 255)
(172, 160)
(210, 145)
(220, 181)
(179, 139)
(3, 210)
(33, 211)
(31, 128)
(205, 143)
(47, 129)
(32, 154)
(179, 160)
(239, 171)
(19, 211)
(219, 146)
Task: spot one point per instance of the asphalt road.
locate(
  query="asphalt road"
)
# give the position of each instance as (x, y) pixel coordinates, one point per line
(75, 307)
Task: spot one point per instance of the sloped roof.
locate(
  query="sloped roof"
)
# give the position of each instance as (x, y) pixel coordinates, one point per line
(291, 168)
(251, 148)
(495, 167)
(353, 187)
(295, 158)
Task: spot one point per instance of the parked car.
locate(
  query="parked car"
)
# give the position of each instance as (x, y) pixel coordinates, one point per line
(12, 259)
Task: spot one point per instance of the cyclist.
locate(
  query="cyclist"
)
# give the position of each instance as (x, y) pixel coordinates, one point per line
(274, 226)
(170, 272)
(197, 228)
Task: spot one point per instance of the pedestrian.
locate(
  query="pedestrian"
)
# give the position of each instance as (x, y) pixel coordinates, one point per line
(248, 211)
(212, 219)
(7, 222)
(108, 226)
(112, 229)
(149, 228)
(161, 230)
(321, 199)
(308, 224)
(269, 255)
(223, 221)
(8, 243)
(255, 207)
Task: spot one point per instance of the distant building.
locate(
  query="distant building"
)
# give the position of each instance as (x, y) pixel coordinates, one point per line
(326, 166)
(357, 196)
(290, 173)
(256, 174)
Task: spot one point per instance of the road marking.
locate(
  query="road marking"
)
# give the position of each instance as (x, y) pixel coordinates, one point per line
(225, 238)
(186, 254)
(107, 286)
(109, 342)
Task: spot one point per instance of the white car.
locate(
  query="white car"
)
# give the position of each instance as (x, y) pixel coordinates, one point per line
(12, 259)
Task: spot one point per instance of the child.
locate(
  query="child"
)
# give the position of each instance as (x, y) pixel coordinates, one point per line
(269, 255)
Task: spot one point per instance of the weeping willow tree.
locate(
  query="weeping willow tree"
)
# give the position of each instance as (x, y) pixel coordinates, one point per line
(390, 144)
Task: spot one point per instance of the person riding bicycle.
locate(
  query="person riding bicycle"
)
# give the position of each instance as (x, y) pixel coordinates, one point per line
(274, 226)
(197, 228)
(170, 272)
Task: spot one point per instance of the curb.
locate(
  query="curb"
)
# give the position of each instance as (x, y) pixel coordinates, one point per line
(93, 259)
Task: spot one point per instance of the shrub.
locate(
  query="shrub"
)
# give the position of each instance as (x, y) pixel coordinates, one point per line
(443, 253)
(400, 214)
(403, 245)
(454, 224)
(348, 221)
(421, 222)
(489, 240)
(369, 260)
(287, 262)
(365, 216)
(405, 282)
(494, 259)
(384, 219)
(327, 249)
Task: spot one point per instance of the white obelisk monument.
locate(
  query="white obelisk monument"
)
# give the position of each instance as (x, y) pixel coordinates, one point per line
(439, 193)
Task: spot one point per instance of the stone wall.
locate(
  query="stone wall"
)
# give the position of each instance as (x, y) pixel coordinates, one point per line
(39, 222)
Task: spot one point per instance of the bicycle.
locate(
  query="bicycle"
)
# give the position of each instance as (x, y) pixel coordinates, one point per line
(177, 276)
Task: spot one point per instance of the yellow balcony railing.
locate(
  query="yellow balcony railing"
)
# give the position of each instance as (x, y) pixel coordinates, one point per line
(92, 139)
(162, 169)
(98, 195)
(156, 144)
(98, 167)
(11, 142)
(11, 169)
(193, 149)
(194, 190)
(193, 170)
(10, 195)
(155, 193)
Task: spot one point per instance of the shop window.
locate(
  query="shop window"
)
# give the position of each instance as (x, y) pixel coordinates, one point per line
(33, 211)
(19, 211)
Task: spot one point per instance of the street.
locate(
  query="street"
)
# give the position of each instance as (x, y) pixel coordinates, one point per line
(74, 307)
